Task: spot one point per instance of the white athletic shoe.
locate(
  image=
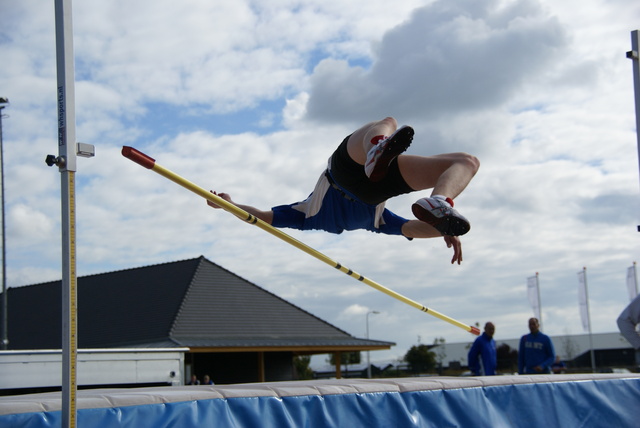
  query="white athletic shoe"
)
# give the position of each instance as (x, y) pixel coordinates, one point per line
(440, 214)
(381, 155)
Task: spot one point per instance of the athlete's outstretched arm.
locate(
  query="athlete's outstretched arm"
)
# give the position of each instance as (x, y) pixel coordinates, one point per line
(266, 216)
(419, 229)
(411, 229)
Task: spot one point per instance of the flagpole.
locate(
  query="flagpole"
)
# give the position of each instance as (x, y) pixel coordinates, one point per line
(635, 279)
(632, 282)
(586, 301)
(534, 300)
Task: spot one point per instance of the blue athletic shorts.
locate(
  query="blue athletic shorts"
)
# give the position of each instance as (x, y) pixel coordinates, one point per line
(338, 214)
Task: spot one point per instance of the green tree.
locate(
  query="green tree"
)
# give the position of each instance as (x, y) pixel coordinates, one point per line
(420, 359)
(301, 364)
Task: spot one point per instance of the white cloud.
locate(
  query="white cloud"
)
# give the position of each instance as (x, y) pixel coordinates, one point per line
(354, 310)
(29, 223)
(449, 58)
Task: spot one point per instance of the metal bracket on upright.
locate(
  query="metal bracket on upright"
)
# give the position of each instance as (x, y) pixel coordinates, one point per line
(82, 149)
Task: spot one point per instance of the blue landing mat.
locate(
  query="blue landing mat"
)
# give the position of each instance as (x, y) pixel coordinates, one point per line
(588, 400)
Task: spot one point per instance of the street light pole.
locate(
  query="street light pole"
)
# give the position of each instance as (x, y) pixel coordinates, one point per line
(368, 352)
(5, 315)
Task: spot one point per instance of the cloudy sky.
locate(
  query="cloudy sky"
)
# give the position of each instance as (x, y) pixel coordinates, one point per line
(251, 98)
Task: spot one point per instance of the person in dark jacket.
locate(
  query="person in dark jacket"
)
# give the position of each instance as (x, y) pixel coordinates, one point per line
(484, 349)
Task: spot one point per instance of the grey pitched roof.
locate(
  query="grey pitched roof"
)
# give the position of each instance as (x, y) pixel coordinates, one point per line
(193, 303)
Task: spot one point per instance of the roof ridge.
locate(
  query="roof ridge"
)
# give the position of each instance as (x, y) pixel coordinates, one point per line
(113, 271)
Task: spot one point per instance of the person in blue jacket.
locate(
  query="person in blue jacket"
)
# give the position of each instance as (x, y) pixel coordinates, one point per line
(536, 353)
(484, 348)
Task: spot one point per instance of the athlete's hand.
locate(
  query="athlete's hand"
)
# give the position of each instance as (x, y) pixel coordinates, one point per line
(454, 242)
(224, 196)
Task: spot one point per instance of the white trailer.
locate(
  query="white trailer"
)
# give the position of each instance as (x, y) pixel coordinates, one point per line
(31, 369)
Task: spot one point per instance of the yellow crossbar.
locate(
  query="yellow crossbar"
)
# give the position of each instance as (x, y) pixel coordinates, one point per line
(150, 163)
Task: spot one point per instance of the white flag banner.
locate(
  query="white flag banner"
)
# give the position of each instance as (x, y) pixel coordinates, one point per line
(583, 300)
(533, 292)
(632, 282)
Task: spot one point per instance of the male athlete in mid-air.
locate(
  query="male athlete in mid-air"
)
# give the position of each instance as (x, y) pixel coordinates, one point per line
(367, 169)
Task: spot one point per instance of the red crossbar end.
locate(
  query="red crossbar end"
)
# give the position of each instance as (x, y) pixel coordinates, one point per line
(475, 330)
(138, 157)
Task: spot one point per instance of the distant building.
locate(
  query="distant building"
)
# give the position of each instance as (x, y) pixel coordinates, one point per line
(235, 331)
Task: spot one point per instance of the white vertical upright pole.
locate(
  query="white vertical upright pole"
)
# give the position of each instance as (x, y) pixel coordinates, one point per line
(66, 163)
(539, 300)
(634, 55)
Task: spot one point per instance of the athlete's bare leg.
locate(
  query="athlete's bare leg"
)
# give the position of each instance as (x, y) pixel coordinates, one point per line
(447, 174)
(360, 141)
